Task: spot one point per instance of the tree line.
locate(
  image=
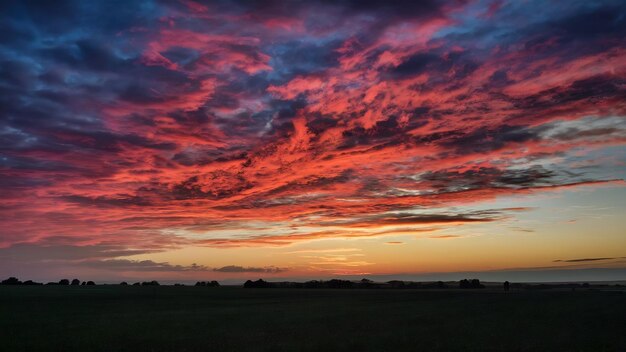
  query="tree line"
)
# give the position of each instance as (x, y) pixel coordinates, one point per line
(64, 282)
(365, 283)
(338, 284)
(75, 282)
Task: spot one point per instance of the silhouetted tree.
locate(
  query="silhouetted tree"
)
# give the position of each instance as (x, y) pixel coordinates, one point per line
(150, 283)
(123, 283)
(365, 283)
(11, 281)
(208, 283)
(336, 283)
(90, 283)
(31, 282)
(75, 282)
(312, 284)
(474, 283)
(260, 283)
(396, 284)
(64, 282)
(83, 283)
(506, 285)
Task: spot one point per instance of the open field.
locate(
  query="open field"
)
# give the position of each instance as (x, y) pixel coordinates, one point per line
(166, 318)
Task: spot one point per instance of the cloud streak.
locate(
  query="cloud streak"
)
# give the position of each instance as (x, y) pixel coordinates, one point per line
(241, 269)
(581, 260)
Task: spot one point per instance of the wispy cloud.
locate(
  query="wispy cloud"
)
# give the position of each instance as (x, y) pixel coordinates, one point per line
(583, 260)
(330, 250)
(241, 269)
(140, 265)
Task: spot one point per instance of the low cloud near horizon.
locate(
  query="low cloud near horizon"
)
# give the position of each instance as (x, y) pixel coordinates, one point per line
(241, 269)
(585, 260)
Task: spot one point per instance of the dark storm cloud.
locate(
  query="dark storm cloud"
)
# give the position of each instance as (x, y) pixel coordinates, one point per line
(415, 64)
(389, 10)
(491, 177)
(485, 139)
(59, 17)
(596, 87)
(300, 57)
(603, 20)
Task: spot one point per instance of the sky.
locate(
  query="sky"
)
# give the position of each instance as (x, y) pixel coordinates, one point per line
(232, 140)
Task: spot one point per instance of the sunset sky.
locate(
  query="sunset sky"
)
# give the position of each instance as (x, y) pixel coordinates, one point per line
(233, 140)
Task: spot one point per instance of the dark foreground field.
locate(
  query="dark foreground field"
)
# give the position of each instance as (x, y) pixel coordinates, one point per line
(117, 318)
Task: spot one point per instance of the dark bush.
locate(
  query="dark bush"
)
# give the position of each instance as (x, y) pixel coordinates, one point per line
(474, 283)
(123, 283)
(313, 284)
(11, 281)
(31, 282)
(364, 283)
(75, 282)
(208, 283)
(260, 283)
(336, 283)
(150, 283)
(396, 284)
(90, 283)
(64, 282)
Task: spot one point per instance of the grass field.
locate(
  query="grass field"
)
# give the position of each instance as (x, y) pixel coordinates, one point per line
(166, 318)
